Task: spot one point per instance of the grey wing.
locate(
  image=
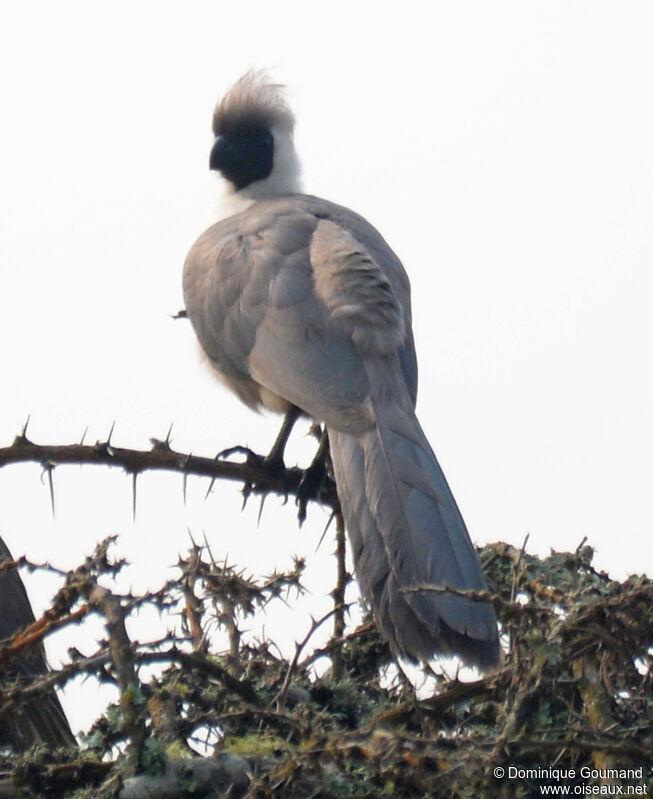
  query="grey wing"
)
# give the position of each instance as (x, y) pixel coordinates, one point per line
(305, 300)
(277, 299)
(375, 248)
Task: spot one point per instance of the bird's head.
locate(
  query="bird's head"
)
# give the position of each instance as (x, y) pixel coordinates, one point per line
(253, 149)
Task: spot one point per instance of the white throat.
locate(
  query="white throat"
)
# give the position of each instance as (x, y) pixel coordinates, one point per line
(285, 178)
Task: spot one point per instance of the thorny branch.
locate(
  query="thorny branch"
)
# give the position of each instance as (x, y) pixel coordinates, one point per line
(259, 475)
(574, 689)
(373, 739)
(338, 595)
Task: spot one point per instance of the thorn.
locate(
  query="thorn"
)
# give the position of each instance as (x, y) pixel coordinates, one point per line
(184, 486)
(207, 548)
(208, 490)
(21, 438)
(158, 444)
(49, 468)
(134, 480)
(182, 314)
(169, 434)
(246, 492)
(192, 540)
(260, 509)
(326, 527)
(108, 441)
(81, 442)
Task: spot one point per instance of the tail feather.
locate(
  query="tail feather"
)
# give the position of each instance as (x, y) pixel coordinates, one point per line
(406, 531)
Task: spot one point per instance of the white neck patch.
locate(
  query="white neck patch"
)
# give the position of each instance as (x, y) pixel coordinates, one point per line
(284, 179)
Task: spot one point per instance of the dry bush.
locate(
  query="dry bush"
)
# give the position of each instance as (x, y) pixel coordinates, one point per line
(573, 692)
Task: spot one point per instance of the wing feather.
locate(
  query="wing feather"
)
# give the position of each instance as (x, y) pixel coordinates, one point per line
(289, 296)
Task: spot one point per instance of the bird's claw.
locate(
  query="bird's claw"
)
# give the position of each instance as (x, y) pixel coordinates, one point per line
(313, 479)
(251, 457)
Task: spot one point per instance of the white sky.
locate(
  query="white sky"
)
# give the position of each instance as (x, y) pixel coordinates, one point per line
(504, 151)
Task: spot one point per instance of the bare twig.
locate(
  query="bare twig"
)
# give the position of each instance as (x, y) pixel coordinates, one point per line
(338, 594)
(418, 588)
(315, 625)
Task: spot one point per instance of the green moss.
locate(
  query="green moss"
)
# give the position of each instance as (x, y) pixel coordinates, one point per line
(254, 744)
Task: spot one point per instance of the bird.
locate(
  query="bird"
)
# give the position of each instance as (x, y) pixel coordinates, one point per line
(301, 306)
(40, 720)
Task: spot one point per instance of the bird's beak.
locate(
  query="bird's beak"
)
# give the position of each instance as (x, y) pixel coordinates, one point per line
(221, 147)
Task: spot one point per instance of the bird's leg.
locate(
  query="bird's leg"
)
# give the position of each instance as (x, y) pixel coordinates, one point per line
(274, 459)
(273, 462)
(275, 456)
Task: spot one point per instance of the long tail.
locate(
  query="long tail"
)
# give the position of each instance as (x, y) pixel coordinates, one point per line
(406, 531)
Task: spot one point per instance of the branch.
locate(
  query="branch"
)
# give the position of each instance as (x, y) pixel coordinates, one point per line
(258, 475)
(420, 588)
(338, 595)
(120, 647)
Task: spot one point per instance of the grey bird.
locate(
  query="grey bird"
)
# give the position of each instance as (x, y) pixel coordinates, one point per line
(40, 720)
(300, 303)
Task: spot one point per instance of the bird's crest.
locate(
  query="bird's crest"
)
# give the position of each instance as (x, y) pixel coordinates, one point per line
(253, 101)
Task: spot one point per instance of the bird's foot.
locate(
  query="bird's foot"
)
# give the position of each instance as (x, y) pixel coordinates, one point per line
(251, 457)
